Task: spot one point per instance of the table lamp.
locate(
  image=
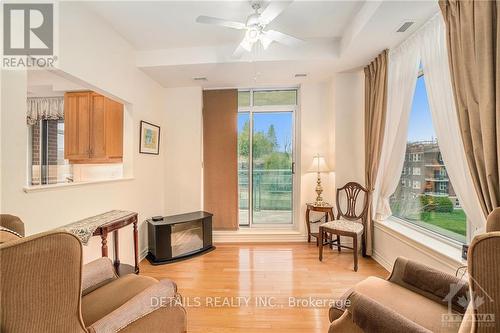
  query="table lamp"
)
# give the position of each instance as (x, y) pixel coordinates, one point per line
(319, 165)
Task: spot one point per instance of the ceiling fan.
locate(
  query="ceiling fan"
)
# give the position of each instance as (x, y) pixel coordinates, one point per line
(255, 27)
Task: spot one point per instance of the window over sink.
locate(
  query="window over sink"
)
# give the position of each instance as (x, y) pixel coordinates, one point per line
(76, 135)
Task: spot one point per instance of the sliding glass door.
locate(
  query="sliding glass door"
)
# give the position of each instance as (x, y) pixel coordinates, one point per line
(266, 158)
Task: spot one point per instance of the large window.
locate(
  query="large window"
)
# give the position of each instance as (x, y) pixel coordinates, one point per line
(429, 201)
(48, 165)
(265, 156)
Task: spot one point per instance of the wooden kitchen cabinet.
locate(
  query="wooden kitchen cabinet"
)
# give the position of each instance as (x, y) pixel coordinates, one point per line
(93, 128)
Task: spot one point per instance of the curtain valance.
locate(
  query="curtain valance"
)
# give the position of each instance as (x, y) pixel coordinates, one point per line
(44, 108)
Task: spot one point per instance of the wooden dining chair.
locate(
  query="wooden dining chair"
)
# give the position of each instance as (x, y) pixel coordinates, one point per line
(349, 223)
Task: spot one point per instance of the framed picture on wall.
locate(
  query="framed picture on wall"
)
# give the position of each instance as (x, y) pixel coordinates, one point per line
(150, 138)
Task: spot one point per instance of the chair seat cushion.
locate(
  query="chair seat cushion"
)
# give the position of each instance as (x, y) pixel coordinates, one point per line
(345, 225)
(111, 296)
(410, 305)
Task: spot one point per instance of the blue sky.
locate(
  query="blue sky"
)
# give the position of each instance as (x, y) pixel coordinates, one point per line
(420, 127)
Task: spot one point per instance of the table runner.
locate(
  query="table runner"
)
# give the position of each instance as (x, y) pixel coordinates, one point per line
(84, 229)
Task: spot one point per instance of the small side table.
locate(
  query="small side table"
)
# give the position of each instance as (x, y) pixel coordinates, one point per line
(328, 210)
(114, 226)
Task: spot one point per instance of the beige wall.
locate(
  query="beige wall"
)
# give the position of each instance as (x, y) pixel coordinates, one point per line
(183, 150)
(349, 130)
(317, 135)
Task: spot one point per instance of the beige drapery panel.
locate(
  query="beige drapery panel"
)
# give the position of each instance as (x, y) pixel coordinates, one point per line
(220, 174)
(375, 117)
(472, 32)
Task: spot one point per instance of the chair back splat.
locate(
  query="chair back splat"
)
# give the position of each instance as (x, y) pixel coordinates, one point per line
(352, 191)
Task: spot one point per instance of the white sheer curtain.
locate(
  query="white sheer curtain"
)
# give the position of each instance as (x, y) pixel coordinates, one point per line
(444, 117)
(402, 77)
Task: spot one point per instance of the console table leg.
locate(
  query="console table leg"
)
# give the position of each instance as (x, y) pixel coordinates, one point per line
(104, 244)
(136, 247)
(116, 247)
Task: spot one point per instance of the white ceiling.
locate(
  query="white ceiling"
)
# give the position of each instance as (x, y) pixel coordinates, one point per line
(341, 35)
(171, 24)
(44, 83)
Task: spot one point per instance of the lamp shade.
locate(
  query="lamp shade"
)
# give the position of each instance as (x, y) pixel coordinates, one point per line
(318, 165)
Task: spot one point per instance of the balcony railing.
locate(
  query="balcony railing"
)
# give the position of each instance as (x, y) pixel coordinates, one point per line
(272, 189)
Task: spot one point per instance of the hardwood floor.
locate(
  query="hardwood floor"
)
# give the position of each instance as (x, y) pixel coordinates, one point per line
(217, 285)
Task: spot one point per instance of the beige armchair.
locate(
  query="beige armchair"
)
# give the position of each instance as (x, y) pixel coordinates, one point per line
(416, 298)
(43, 289)
(11, 228)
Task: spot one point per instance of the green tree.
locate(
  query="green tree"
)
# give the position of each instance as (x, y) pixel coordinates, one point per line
(271, 136)
(244, 140)
(277, 160)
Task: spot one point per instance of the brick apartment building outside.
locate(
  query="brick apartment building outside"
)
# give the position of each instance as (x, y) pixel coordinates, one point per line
(424, 173)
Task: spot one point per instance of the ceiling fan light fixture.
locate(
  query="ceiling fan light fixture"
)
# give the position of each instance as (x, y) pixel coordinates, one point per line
(252, 35)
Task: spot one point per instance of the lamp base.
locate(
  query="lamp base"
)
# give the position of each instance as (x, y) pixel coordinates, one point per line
(321, 203)
(319, 189)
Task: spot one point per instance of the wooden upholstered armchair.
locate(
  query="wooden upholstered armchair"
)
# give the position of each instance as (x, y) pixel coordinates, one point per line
(350, 221)
(44, 288)
(419, 299)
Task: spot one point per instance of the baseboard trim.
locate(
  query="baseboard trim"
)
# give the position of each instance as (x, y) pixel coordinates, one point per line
(258, 236)
(381, 260)
(143, 254)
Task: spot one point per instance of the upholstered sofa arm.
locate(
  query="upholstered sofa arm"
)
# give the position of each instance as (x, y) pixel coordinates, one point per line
(431, 283)
(163, 294)
(372, 316)
(341, 304)
(97, 273)
(12, 223)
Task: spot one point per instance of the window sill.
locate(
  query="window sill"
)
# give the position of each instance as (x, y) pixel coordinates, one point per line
(52, 187)
(423, 239)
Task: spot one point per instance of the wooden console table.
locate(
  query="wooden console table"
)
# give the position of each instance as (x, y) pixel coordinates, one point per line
(102, 225)
(113, 227)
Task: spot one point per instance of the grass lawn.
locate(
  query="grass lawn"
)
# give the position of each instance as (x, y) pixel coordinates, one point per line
(454, 222)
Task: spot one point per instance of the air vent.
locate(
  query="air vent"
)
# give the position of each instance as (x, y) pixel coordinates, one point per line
(201, 78)
(301, 75)
(405, 26)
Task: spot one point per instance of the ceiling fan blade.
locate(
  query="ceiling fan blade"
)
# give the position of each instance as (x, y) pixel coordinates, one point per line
(243, 47)
(273, 10)
(283, 38)
(238, 52)
(220, 22)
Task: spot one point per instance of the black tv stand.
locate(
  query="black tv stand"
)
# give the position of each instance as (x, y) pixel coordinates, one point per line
(179, 237)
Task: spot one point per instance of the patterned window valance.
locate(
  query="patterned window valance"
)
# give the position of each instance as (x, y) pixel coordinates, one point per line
(44, 108)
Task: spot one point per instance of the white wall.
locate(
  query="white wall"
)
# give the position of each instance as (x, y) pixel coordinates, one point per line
(317, 135)
(349, 130)
(91, 51)
(183, 150)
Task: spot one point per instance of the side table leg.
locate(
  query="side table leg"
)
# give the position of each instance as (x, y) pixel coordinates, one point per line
(104, 244)
(309, 227)
(116, 247)
(136, 248)
(321, 233)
